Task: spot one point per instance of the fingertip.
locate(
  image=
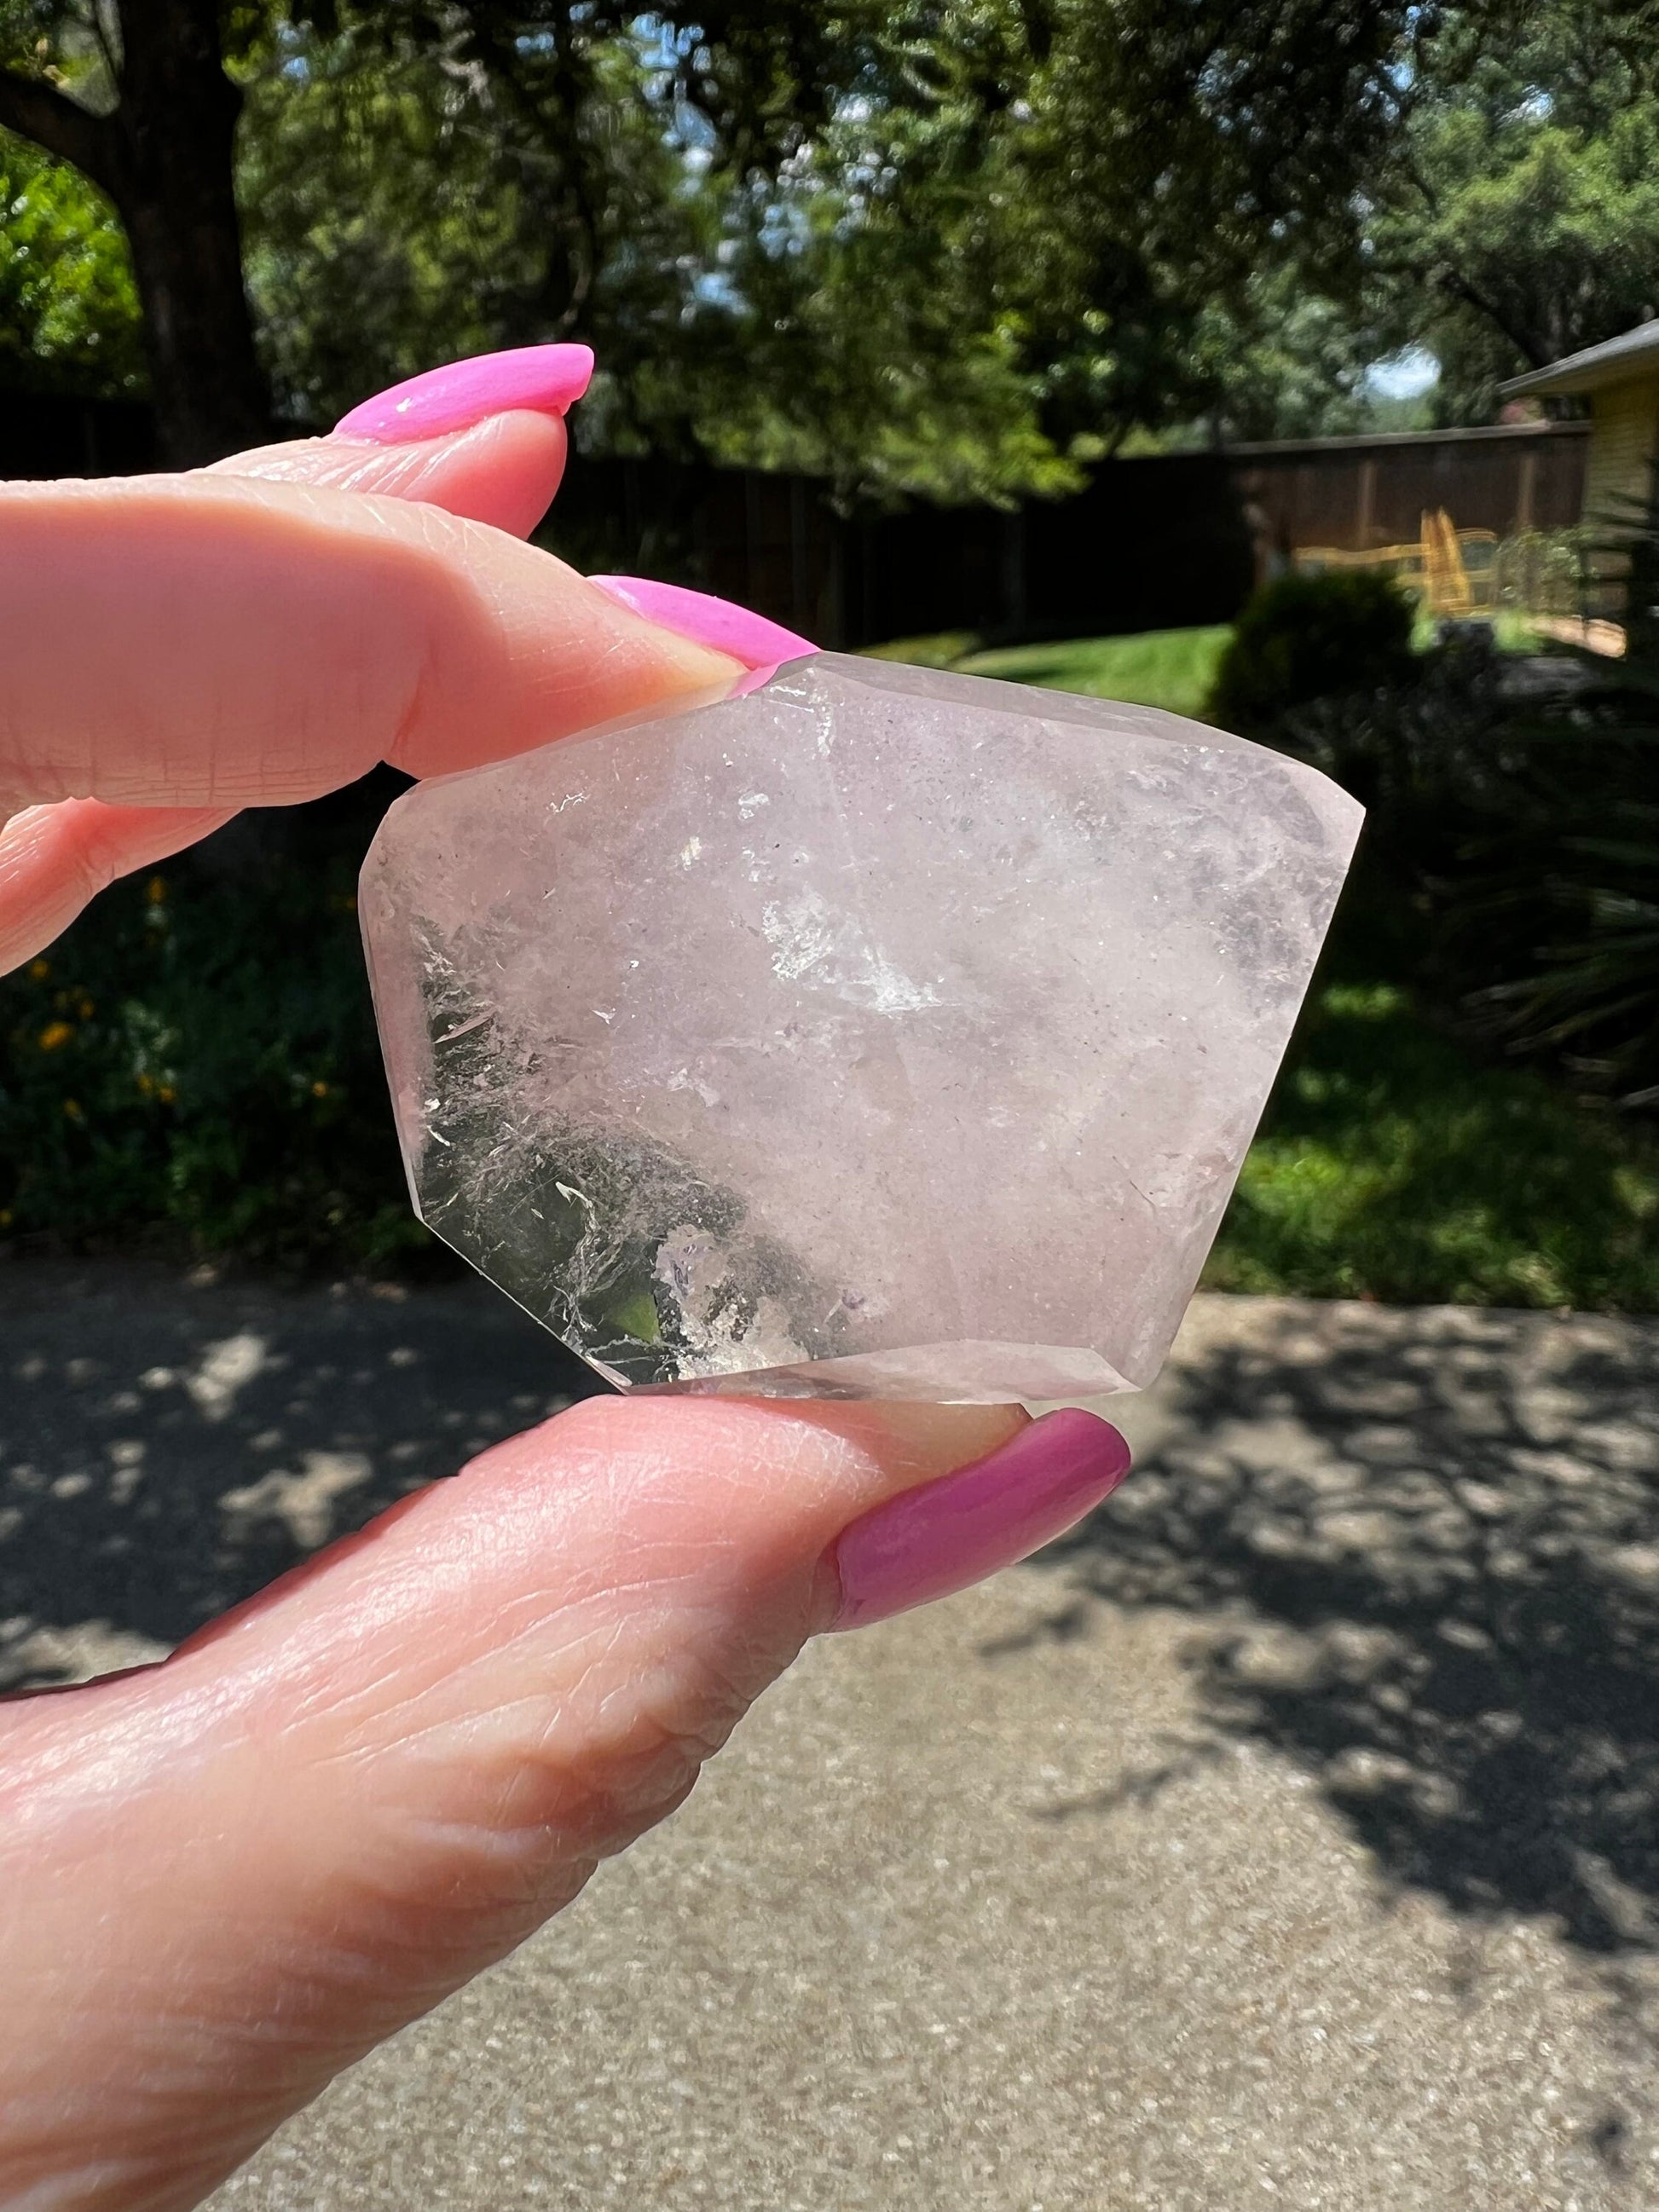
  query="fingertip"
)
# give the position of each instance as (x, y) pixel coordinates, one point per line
(502, 470)
(755, 640)
(545, 379)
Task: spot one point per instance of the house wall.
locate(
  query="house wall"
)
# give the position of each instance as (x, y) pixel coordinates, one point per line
(1624, 433)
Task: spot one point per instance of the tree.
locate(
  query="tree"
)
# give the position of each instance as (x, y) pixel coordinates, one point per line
(142, 97)
(957, 245)
(1513, 215)
(1523, 243)
(136, 99)
(69, 317)
(1035, 197)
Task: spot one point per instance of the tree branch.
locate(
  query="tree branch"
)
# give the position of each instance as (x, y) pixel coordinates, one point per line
(29, 106)
(1460, 286)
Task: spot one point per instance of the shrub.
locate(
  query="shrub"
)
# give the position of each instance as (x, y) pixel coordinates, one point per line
(1554, 917)
(1304, 637)
(196, 1058)
(1520, 804)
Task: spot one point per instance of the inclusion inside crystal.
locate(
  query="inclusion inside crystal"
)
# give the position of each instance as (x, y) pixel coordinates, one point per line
(878, 1033)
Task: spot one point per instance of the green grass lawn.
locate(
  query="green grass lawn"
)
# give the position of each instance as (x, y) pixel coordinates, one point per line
(1171, 668)
(195, 1060)
(1393, 1162)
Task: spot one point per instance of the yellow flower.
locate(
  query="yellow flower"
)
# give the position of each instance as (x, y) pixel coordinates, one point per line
(39, 969)
(84, 1008)
(155, 890)
(145, 1084)
(166, 1093)
(54, 1033)
(319, 1091)
(72, 1108)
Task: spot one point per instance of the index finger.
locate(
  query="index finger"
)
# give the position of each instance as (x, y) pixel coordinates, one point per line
(202, 642)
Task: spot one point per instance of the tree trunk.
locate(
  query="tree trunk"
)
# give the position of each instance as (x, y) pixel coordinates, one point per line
(165, 157)
(172, 178)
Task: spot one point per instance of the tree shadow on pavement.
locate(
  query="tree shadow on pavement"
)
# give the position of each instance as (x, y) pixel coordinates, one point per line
(1426, 1546)
(168, 1445)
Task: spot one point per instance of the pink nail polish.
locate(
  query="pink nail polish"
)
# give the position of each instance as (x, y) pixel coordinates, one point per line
(748, 637)
(543, 379)
(932, 1541)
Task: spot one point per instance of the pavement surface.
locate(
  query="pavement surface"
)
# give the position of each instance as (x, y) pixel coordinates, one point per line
(1289, 1838)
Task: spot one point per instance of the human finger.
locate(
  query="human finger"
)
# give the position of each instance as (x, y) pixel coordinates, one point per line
(503, 471)
(483, 438)
(55, 860)
(242, 642)
(224, 1879)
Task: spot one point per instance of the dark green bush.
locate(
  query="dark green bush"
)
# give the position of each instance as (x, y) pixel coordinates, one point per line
(1517, 805)
(1554, 918)
(196, 1058)
(1304, 637)
(1430, 759)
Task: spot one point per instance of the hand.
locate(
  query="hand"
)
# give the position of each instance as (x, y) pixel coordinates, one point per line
(224, 1877)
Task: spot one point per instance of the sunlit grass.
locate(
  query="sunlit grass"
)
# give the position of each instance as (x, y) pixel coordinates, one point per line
(1394, 1165)
(1169, 668)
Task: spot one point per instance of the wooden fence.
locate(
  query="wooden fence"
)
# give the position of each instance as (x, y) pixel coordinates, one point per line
(1148, 543)
(1358, 494)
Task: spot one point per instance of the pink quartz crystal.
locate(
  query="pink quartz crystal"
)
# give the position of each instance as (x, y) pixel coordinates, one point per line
(881, 1033)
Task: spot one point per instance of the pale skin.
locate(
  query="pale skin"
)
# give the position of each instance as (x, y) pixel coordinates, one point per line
(224, 1877)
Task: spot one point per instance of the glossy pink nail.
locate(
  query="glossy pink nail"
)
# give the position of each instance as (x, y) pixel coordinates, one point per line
(932, 1541)
(748, 637)
(542, 380)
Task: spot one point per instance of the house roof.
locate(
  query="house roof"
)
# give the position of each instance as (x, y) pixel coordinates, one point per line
(1358, 441)
(1631, 355)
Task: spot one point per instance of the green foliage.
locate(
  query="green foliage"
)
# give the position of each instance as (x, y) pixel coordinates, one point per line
(1169, 668)
(1501, 210)
(786, 286)
(200, 1065)
(1551, 920)
(1286, 362)
(400, 211)
(69, 318)
(958, 251)
(1525, 239)
(1528, 827)
(1394, 1164)
(196, 1058)
(1304, 637)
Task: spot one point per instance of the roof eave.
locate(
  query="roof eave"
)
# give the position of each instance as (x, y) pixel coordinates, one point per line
(1630, 358)
(1569, 383)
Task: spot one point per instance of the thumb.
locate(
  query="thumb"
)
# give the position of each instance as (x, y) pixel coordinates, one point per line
(223, 1879)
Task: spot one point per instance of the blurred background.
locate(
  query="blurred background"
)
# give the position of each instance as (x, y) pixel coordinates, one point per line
(1209, 356)
(1293, 363)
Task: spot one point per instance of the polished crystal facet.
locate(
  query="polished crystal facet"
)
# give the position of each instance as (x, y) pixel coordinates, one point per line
(879, 1033)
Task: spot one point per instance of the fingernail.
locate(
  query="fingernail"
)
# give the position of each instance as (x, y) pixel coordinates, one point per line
(542, 380)
(928, 1542)
(748, 637)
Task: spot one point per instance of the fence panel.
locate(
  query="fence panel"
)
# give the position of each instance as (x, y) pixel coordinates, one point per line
(1148, 543)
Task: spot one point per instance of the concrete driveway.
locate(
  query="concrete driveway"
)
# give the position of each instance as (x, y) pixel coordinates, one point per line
(1288, 1838)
